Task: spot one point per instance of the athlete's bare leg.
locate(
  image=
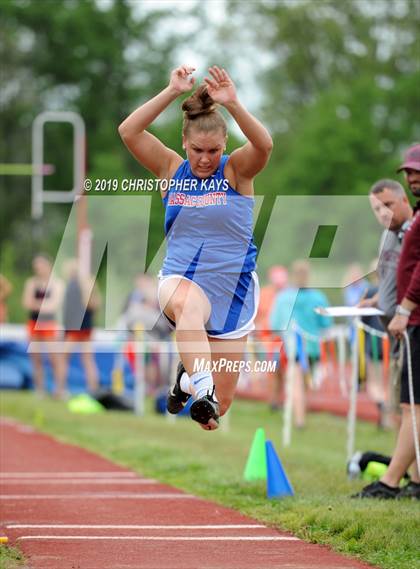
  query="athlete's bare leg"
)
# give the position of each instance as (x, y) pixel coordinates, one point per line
(225, 381)
(187, 305)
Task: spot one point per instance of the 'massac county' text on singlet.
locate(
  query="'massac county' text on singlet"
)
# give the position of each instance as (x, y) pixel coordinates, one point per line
(208, 225)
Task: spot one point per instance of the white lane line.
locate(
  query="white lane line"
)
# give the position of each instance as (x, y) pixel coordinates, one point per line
(203, 538)
(34, 481)
(69, 474)
(98, 495)
(137, 527)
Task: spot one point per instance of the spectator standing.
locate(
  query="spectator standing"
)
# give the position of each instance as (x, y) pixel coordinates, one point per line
(82, 299)
(393, 211)
(277, 277)
(406, 319)
(296, 305)
(42, 297)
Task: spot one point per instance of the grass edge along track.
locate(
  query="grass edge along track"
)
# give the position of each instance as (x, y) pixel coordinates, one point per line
(210, 465)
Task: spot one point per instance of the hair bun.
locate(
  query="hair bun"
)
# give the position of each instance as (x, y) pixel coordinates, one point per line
(199, 103)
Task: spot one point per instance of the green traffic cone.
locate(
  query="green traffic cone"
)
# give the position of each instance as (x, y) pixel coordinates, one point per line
(256, 465)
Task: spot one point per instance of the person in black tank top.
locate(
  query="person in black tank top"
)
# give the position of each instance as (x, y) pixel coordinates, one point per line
(42, 298)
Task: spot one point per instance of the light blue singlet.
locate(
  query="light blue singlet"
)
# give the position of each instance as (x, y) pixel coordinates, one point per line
(209, 232)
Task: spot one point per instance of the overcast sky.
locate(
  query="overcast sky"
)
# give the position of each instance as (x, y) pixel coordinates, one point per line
(192, 53)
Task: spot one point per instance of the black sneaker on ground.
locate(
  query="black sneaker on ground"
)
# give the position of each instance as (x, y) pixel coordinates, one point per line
(411, 491)
(204, 409)
(378, 490)
(177, 399)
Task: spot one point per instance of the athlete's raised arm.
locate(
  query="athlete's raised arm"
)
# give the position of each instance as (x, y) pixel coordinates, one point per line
(145, 147)
(251, 158)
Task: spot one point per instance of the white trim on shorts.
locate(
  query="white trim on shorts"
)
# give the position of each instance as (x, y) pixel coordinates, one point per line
(235, 334)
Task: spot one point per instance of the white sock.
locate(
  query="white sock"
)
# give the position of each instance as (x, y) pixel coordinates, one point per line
(185, 383)
(201, 384)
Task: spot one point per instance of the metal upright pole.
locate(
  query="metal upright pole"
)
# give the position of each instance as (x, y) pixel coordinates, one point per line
(351, 417)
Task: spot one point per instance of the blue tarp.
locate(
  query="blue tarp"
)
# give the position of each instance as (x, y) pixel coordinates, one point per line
(16, 369)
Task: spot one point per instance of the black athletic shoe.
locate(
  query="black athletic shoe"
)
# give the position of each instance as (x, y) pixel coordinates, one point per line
(204, 409)
(378, 490)
(411, 491)
(177, 399)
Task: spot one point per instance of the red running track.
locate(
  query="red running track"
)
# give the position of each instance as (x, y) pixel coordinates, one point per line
(67, 508)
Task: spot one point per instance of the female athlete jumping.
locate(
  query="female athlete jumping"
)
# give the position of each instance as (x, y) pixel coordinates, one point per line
(208, 288)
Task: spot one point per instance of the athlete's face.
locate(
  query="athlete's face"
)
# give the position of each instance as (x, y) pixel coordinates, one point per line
(413, 181)
(204, 151)
(390, 209)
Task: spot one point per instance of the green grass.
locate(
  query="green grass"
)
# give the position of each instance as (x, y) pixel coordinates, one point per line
(211, 464)
(11, 558)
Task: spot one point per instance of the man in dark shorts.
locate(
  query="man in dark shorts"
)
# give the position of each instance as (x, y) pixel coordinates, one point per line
(407, 318)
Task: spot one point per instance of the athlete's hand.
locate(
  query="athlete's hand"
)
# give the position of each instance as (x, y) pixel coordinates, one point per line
(220, 88)
(181, 79)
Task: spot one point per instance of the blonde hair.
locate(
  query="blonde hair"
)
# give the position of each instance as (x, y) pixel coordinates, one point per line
(201, 113)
